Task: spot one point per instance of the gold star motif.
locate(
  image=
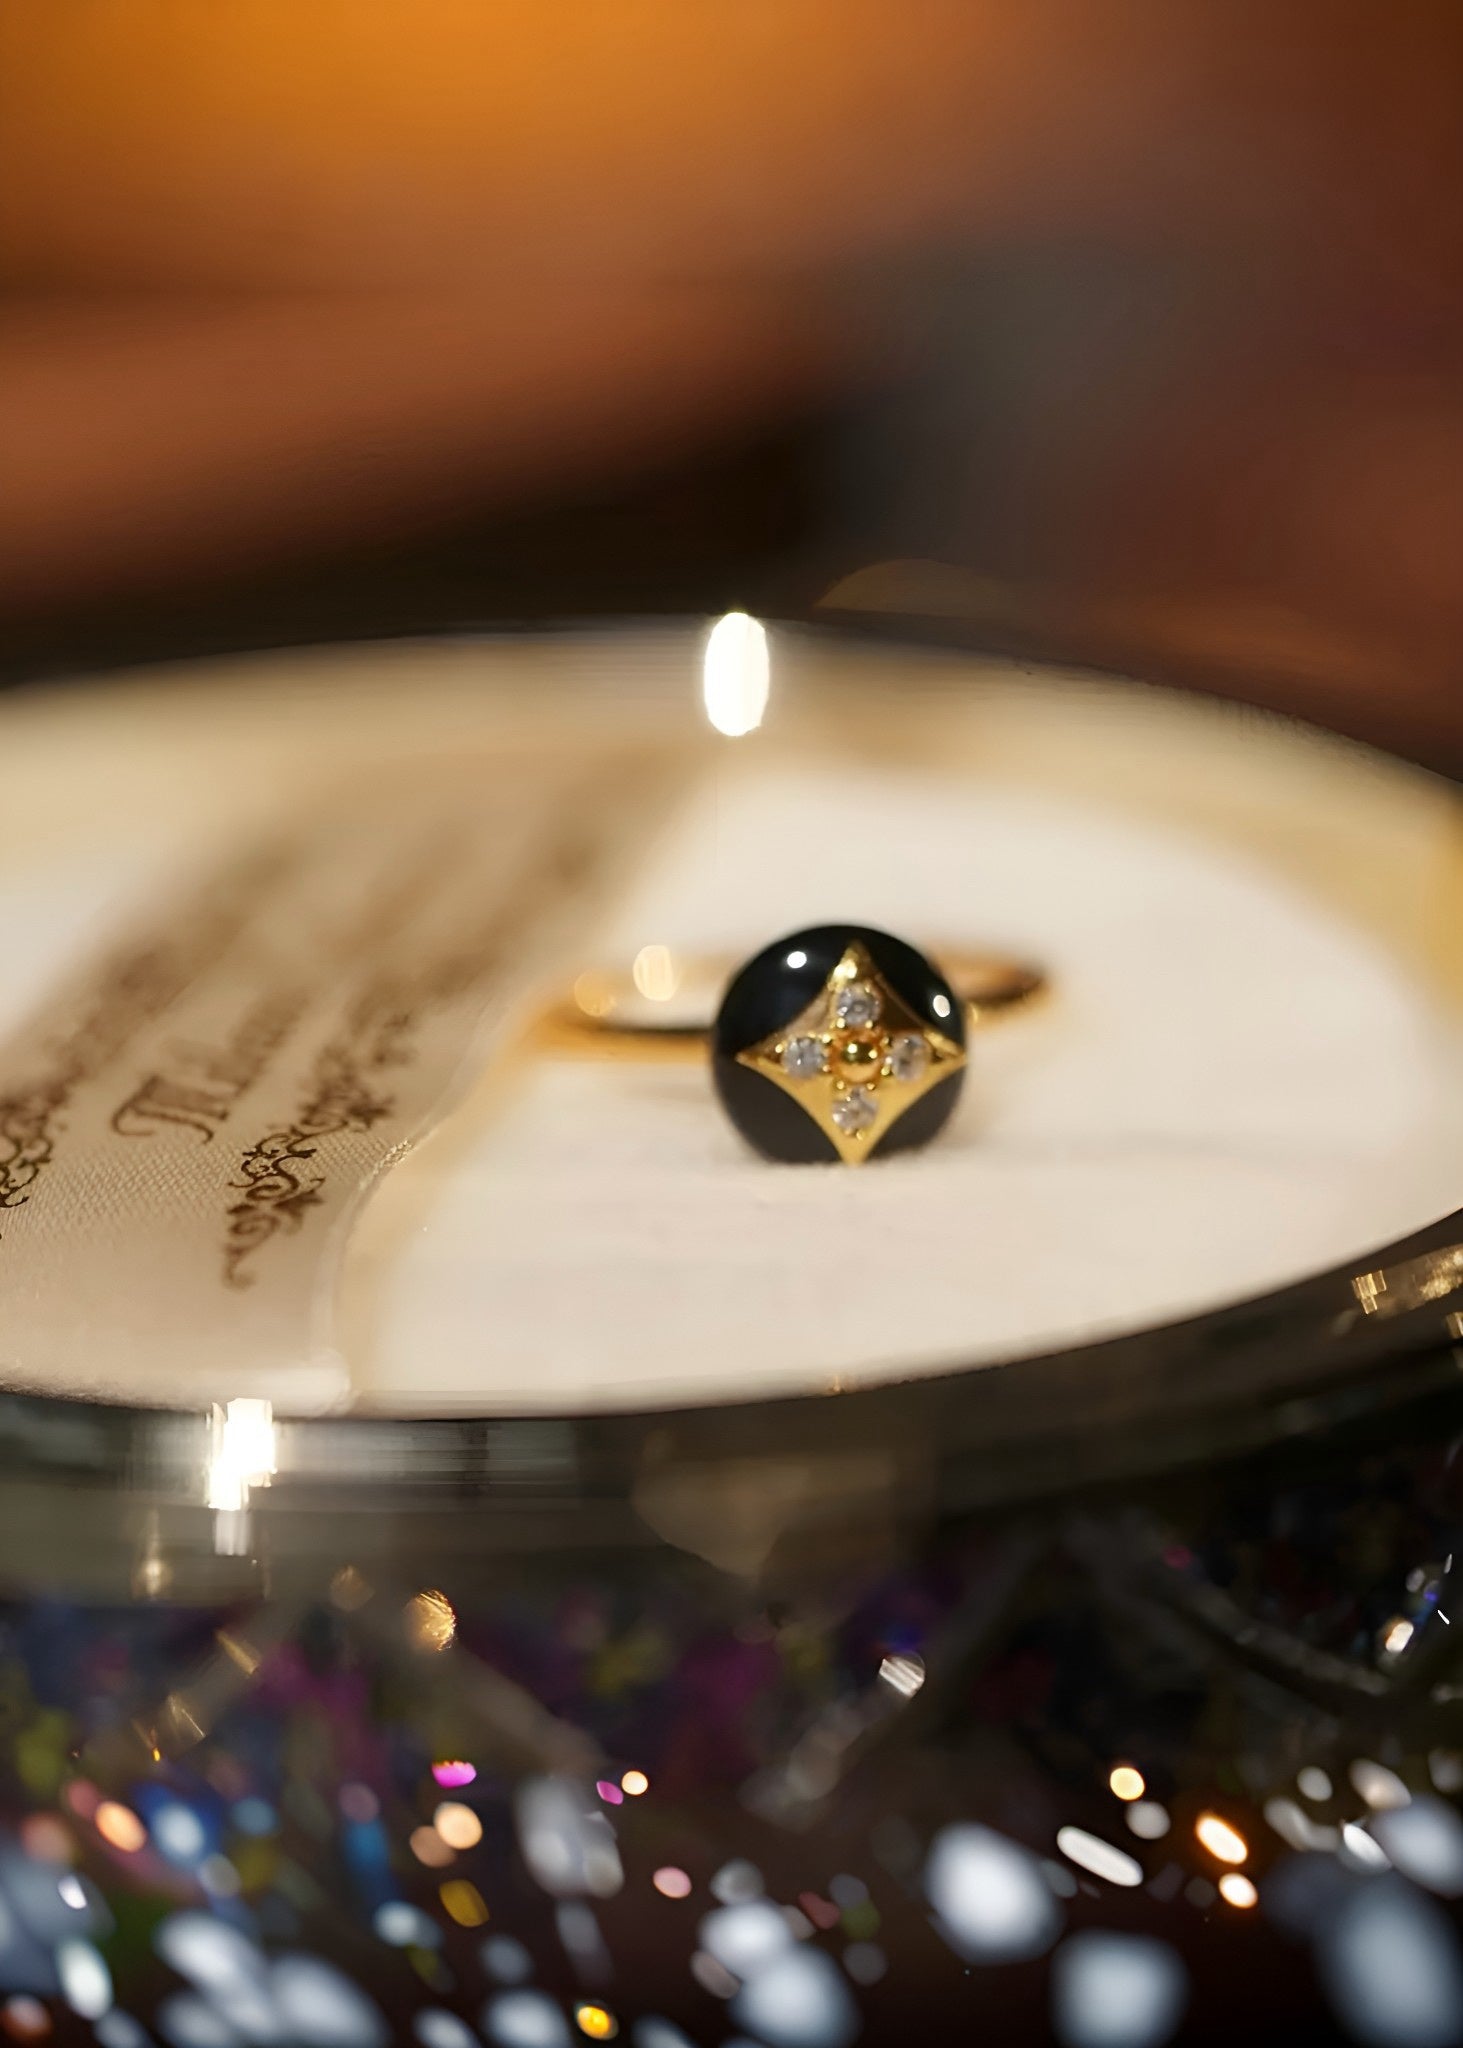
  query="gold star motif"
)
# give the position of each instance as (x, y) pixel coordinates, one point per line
(856, 1058)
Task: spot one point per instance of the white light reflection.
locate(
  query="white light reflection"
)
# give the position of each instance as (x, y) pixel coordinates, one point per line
(735, 674)
(179, 1833)
(578, 1930)
(1314, 1784)
(1389, 1962)
(525, 2019)
(1358, 1847)
(1380, 1788)
(401, 1925)
(654, 2032)
(735, 1881)
(249, 2010)
(243, 1453)
(505, 1959)
(905, 1674)
(1425, 1842)
(569, 1848)
(40, 1904)
(208, 1952)
(1296, 1827)
(438, 2028)
(798, 2001)
(116, 2029)
(1116, 1991)
(187, 2021)
(655, 973)
(991, 1901)
(86, 1982)
(320, 2007)
(745, 1938)
(1101, 1858)
(1148, 1820)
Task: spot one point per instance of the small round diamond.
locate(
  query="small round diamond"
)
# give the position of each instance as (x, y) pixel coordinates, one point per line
(854, 1112)
(909, 1057)
(857, 1005)
(804, 1057)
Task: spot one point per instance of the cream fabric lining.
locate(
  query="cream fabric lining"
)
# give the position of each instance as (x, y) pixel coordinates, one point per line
(1232, 1087)
(1251, 1069)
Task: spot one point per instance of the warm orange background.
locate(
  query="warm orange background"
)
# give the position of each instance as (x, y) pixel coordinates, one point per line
(284, 272)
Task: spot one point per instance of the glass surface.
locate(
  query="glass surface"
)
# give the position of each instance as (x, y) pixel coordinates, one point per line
(805, 1754)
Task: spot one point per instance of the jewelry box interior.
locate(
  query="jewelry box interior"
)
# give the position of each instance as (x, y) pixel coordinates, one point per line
(1247, 1071)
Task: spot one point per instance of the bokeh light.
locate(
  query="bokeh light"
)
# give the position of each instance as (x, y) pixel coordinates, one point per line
(1101, 1858)
(1224, 1843)
(525, 2019)
(24, 2018)
(990, 1897)
(431, 1621)
(1424, 1840)
(1380, 1788)
(1389, 1962)
(1148, 1820)
(800, 1999)
(735, 674)
(1113, 1990)
(119, 1826)
(86, 1982)
(463, 1902)
(457, 1824)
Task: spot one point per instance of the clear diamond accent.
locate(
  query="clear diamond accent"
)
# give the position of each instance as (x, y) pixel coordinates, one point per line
(857, 1005)
(909, 1057)
(804, 1057)
(855, 1111)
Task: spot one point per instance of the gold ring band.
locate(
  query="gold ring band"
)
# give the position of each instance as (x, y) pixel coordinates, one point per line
(610, 1016)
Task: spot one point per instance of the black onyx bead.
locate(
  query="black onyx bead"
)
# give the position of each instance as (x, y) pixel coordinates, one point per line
(776, 986)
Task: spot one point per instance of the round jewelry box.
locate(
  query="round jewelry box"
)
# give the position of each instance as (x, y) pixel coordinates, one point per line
(489, 1555)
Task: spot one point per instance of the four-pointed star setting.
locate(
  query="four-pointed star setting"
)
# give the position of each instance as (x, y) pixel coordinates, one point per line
(856, 1057)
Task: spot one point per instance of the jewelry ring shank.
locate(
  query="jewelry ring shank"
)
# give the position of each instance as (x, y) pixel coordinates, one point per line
(618, 1023)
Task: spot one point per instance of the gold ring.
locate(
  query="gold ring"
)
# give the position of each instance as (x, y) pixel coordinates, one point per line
(836, 1043)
